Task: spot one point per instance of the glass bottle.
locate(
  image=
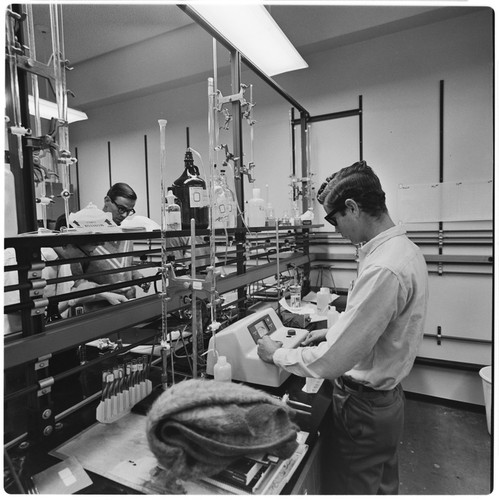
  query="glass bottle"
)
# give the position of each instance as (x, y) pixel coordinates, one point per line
(190, 189)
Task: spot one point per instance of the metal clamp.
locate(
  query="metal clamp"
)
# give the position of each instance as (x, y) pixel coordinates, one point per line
(35, 272)
(196, 284)
(40, 305)
(37, 288)
(221, 100)
(45, 386)
(43, 362)
(248, 170)
(440, 239)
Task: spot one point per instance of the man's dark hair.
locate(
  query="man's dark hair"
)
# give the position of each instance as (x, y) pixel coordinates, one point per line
(358, 182)
(121, 189)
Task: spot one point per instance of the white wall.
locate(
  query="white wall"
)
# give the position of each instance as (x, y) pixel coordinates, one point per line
(398, 76)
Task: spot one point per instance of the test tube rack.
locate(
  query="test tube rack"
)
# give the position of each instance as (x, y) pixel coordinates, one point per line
(122, 388)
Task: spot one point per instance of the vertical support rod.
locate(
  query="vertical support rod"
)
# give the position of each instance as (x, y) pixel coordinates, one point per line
(361, 130)
(59, 64)
(37, 124)
(164, 258)
(441, 157)
(304, 156)
(21, 162)
(212, 125)
(293, 142)
(77, 173)
(306, 267)
(146, 168)
(109, 162)
(39, 408)
(193, 303)
(441, 133)
(215, 94)
(237, 136)
(278, 270)
(238, 160)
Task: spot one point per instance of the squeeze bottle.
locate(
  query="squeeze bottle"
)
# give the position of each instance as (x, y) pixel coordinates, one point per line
(222, 371)
(256, 210)
(323, 298)
(173, 217)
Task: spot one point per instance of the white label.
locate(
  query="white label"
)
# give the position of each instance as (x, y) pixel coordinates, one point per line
(67, 477)
(197, 197)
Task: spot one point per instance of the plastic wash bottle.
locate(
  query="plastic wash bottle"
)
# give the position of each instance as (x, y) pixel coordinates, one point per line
(173, 217)
(256, 210)
(323, 298)
(222, 371)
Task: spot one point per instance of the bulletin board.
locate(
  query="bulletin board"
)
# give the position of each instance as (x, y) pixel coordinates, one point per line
(445, 202)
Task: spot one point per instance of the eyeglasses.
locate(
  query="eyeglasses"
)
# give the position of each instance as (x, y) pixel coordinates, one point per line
(123, 210)
(330, 217)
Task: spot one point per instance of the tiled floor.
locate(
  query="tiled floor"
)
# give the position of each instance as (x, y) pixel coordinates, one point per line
(444, 451)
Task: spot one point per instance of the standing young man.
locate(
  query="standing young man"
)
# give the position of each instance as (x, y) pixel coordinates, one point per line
(373, 345)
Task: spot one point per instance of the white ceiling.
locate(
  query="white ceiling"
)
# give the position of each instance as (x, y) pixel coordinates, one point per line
(92, 30)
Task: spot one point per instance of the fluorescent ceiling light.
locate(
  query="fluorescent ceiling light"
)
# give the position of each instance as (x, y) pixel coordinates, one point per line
(49, 110)
(255, 34)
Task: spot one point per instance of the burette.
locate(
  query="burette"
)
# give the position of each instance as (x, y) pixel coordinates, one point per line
(16, 127)
(37, 128)
(59, 62)
(211, 134)
(213, 137)
(164, 264)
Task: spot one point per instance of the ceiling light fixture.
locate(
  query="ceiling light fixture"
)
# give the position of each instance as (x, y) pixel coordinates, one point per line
(48, 110)
(255, 34)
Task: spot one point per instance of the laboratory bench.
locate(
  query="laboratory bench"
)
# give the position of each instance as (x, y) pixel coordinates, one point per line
(307, 477)
(75, 396)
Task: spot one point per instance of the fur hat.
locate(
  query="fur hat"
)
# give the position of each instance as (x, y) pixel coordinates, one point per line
(198, 427)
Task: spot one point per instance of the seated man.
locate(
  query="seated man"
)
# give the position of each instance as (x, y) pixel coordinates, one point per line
(119, 201)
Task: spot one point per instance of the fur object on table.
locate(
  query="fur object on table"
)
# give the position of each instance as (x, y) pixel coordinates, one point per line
(198, 427)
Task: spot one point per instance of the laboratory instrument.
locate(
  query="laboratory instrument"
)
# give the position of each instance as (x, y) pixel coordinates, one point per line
(238, 343)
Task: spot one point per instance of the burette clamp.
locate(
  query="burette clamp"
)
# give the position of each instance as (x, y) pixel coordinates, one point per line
(214, 327)
(221, 99)
(65, 158)
(247, 170)
(65, 194)
(248, 112)
(19, 131)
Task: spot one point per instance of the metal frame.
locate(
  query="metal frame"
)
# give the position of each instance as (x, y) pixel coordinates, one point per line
(73, 331)
(303, 121)
(228, 45)
(237, 59)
